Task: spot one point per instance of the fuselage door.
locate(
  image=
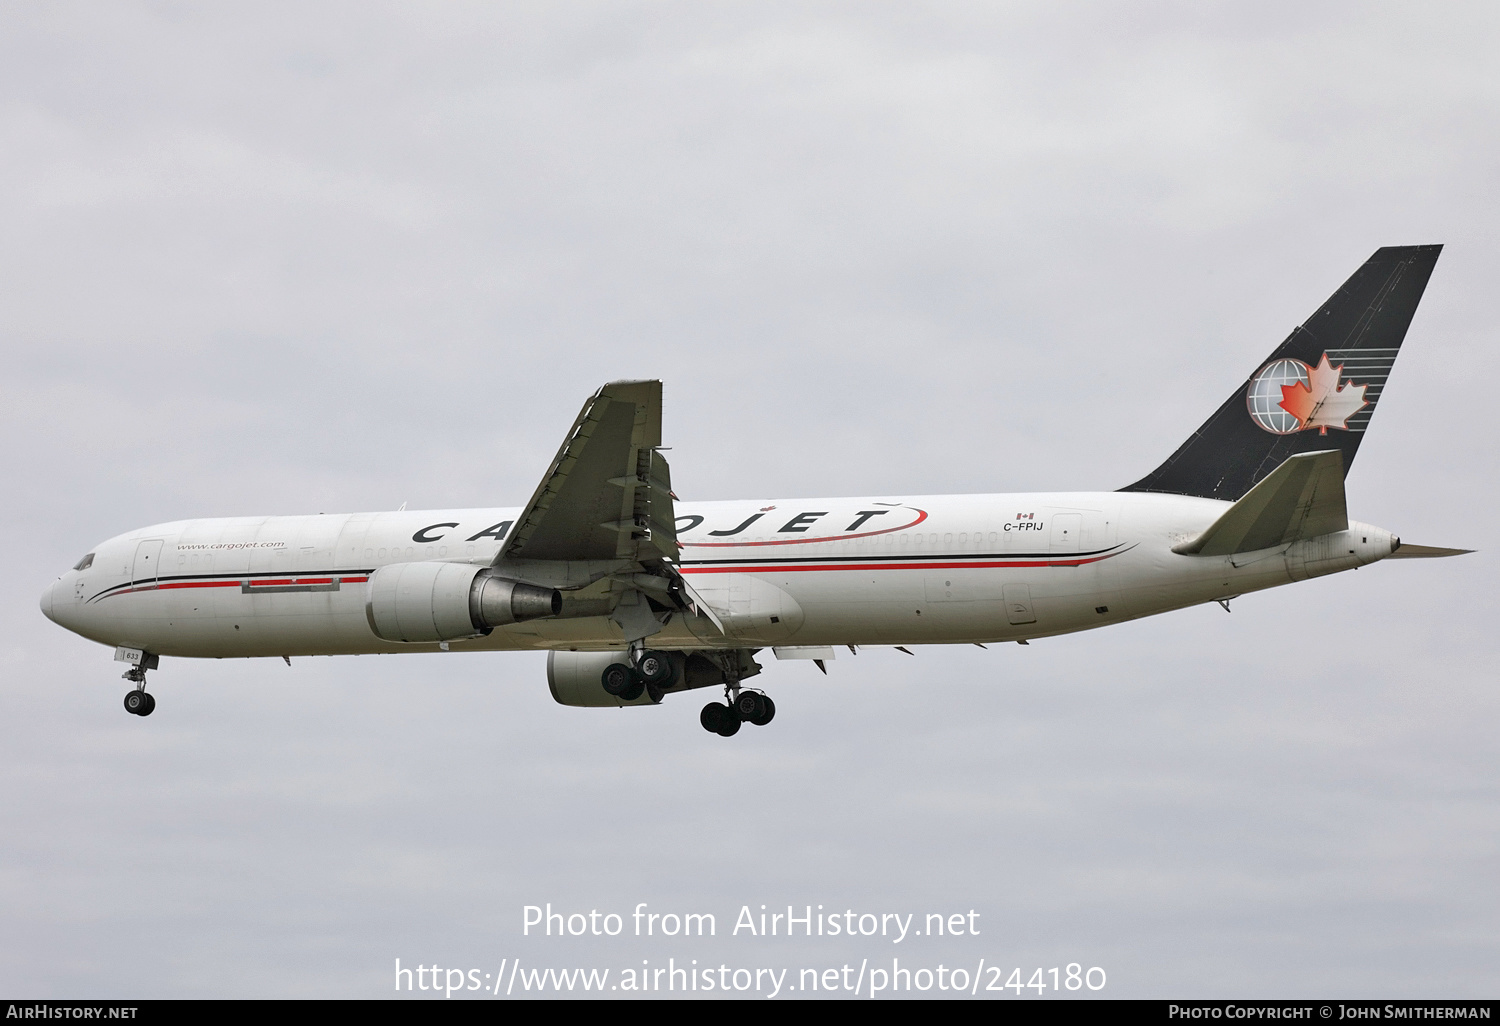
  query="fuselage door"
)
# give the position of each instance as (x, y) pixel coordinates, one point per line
(1066, 527)
(147, 556)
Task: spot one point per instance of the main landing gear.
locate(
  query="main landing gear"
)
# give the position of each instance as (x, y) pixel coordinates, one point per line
(724, 718)
(138, 702)
(650, 673)
(627, 682)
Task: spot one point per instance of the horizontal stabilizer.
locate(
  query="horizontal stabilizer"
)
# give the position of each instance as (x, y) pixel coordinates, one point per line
(1302, 498)
(1405, 551)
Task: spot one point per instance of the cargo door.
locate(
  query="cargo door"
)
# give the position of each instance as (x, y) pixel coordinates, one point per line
(1066, 527)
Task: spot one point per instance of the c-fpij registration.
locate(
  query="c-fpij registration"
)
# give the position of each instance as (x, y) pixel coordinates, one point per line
(637, 595)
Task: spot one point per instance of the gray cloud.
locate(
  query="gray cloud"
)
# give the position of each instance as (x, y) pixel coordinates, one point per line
(296, 260)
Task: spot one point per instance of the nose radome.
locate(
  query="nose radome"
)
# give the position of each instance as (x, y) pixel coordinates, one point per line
(47, 601)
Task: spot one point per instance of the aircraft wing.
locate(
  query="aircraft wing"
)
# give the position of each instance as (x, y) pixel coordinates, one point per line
(1302, 498)
(608, 493)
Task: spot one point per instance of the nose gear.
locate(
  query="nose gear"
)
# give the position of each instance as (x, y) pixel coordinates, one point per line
(137, 701)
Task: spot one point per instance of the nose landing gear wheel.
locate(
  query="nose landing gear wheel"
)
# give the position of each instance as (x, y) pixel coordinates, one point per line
(139, 703)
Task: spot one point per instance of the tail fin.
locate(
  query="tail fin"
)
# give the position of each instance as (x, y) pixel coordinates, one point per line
(1327, 375)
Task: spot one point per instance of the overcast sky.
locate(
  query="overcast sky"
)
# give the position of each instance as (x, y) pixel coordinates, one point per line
(293, 258)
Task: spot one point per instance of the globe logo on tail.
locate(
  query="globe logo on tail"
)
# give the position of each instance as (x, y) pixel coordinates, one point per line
(1288, 396)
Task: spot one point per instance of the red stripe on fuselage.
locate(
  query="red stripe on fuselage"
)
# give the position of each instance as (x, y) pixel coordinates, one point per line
(761, 569)
(237, 583)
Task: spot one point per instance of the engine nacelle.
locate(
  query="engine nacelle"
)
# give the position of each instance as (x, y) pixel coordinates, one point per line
(432, 601)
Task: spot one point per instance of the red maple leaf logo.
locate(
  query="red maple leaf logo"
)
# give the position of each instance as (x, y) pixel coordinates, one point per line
(1322, 403)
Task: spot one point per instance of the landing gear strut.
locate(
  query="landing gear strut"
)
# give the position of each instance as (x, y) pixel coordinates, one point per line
(138, 702)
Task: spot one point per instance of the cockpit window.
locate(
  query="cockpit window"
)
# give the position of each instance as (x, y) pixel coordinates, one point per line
(85, 562)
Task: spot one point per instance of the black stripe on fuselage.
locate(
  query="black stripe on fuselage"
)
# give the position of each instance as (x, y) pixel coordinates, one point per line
(154, 583)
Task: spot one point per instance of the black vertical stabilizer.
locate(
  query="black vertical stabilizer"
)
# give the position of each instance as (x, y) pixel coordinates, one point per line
(1317, 391)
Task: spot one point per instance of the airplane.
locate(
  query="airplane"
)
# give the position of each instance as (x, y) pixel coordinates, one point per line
(637, 595)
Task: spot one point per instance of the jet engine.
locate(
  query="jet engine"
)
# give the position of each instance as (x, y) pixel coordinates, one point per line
(432, 601)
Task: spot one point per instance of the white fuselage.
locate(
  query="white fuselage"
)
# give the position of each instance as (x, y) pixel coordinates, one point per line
(800, 572)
